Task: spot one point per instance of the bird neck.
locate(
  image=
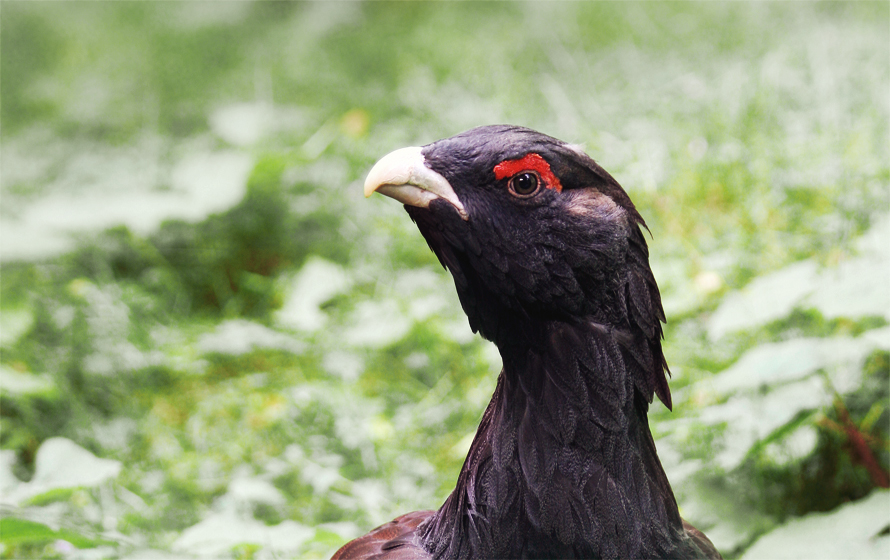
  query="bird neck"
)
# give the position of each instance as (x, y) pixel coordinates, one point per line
(563, 463)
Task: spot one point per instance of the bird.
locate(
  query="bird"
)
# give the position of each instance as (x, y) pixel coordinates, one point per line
(550, 263)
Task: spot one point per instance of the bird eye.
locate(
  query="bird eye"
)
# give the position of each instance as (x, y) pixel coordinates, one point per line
(524, 184)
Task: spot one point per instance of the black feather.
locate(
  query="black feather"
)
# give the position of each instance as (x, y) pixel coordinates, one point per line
(563, 464)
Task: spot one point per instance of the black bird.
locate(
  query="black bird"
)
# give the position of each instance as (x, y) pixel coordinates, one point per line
(550, 264)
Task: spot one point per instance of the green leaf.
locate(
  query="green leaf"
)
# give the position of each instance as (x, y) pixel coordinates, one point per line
(15, 531)
(855, 530)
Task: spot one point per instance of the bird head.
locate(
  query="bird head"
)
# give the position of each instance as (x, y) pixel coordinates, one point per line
(530, 227)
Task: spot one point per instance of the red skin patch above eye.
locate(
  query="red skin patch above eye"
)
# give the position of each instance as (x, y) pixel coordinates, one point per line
(530, 162)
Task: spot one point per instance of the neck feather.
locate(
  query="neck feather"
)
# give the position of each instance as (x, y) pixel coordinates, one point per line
(563, 463)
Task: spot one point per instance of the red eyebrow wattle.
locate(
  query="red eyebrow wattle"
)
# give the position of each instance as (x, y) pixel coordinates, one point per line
(529, 162)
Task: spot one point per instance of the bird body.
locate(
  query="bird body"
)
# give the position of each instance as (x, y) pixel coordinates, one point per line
(550, 264)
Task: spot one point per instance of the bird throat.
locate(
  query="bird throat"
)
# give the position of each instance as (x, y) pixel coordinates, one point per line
(563, 464)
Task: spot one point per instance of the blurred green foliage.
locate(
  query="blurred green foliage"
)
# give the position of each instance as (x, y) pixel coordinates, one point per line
(750, 136)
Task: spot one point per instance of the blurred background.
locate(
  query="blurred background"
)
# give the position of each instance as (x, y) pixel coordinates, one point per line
(213, 346)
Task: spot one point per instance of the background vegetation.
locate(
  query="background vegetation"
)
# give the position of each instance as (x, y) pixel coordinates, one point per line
(213, 346)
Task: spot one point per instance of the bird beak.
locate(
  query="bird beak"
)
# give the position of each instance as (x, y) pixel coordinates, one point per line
(404, 176)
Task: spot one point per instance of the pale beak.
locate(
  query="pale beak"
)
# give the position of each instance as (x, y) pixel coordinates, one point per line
(404, 176)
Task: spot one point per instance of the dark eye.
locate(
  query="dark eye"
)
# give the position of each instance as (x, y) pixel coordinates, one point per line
(525, 183)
